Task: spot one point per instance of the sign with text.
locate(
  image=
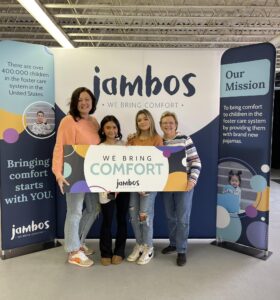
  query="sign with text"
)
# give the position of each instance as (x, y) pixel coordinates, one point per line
(27, 134)
(244, 79)
(246, 106)
(91, 168)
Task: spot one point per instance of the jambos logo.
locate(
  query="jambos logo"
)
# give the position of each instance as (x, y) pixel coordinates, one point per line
(29, 229)
(150, 85)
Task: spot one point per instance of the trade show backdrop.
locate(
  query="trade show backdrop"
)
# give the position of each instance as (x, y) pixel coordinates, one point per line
(247, 89)
(186, 82)
(26, 143)
(126, 80)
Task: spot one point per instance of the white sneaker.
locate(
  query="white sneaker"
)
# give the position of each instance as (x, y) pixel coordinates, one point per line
(80, 259)
(147, 255)
(86, 249)
(137, 251)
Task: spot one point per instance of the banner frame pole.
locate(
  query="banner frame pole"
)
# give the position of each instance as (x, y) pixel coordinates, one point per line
(10, 253)
(251, 251)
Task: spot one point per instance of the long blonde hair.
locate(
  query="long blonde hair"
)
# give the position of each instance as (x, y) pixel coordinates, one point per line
(152, 131)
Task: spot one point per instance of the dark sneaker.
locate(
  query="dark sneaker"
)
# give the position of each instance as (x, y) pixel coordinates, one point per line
(181, 259)
(168, 249)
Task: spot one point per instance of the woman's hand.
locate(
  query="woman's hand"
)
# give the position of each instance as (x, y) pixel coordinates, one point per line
(131, 136)
(190, 185)
(143, 194)
(61, 181)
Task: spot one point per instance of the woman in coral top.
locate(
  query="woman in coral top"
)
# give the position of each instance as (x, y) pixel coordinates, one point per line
(78, 127)
(141, 206)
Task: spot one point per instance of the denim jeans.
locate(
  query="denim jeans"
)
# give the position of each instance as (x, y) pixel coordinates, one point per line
(143, 230)
(78, 223)
(178, 207)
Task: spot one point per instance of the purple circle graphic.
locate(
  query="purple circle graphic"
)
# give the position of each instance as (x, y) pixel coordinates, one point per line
(251, 211)
(166, 153)
(10, 135)
(257, 234)
(80, 187)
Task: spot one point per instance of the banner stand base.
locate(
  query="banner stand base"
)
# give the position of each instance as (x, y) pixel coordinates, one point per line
(5, 254)
(257, 253)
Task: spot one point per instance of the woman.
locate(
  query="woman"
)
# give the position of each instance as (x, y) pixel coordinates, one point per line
(141, 206)
(78, 127)
(178, 204)
(110, 134)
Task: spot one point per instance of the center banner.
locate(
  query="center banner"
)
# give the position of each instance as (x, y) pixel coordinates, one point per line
(91, 168)
(124, 81)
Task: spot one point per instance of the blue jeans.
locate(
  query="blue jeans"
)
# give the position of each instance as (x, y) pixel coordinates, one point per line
(78, 222)
(143, 230)
(178, 207)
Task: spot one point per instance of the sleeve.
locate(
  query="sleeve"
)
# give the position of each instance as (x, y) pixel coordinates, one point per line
(226, 189)
(47, 126)
(130, 142)
(65, 136)
(34, 129)
(158, 141)
(96, 124)
(193, 160)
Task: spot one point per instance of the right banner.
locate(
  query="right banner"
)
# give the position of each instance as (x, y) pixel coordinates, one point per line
(246, 106)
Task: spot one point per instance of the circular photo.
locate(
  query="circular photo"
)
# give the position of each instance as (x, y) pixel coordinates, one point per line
(39, 120)
(235, 193)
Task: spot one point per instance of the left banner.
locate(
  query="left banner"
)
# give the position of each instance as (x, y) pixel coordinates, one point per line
(27, 136)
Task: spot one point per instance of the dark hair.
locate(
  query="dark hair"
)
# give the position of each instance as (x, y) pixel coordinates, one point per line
(40, 112)
(74, 112)
(237, 174)
(105, 120)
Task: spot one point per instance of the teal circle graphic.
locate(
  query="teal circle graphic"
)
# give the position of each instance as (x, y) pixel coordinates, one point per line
(258, 183)
(67, 170)
(232, 232)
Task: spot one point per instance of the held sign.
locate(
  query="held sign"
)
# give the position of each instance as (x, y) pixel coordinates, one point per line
(91, 168)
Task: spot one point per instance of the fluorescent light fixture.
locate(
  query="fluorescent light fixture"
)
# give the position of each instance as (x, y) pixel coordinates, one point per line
(38, 12)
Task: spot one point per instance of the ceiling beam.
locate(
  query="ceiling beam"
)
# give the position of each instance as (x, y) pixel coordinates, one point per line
(166, 17)
(165, 42)
(169, 27)
(156, 7)
(170, 35)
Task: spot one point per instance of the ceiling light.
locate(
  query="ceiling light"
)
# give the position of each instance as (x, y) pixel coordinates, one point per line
(38, 12)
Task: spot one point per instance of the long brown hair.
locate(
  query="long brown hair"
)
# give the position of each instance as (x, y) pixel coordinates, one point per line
(152, 130)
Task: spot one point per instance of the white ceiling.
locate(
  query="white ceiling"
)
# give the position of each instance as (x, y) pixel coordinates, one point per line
(149, 24)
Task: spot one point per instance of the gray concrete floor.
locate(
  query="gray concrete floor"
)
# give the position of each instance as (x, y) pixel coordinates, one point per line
(211, 273)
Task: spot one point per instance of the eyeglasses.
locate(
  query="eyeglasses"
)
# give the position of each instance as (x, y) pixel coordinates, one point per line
(168, 123)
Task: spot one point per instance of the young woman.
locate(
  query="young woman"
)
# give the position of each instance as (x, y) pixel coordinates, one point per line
(178, 204)
(78, 127)
(141, 207)
(110, 134)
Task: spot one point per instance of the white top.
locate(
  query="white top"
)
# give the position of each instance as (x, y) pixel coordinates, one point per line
(103, 196)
